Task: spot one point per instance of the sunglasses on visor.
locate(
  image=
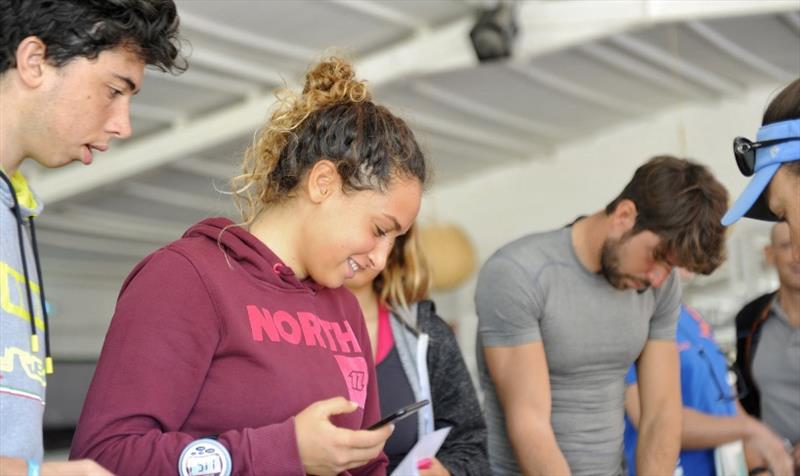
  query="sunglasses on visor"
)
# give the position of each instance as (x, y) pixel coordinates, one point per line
(745, 152)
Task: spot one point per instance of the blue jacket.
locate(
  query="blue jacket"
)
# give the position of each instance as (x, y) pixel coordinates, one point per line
(704, 387)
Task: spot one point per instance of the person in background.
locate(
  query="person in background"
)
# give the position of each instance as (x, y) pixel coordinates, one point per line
(768, 345)
(417, 357)
(711, 415)
(563, 314)
(68, 71)
(773, 193)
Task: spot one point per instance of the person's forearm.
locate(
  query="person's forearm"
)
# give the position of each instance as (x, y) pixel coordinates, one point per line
(536, 449)
(701, 430)
(13, 466)
(659, 444)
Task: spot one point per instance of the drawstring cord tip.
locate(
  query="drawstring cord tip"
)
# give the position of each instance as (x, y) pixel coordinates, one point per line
(48, 365)
(34, 343)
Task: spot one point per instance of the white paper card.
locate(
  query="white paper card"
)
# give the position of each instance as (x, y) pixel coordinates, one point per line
(425, 448)
(729, 459)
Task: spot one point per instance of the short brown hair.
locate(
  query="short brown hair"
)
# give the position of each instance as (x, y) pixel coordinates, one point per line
(682, 202)
(785, 107)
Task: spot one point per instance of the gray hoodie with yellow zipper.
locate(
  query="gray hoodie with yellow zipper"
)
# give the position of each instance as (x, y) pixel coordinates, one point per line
(23, 346)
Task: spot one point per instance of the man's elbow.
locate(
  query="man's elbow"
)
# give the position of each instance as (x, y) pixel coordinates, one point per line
(666, 420)
(525, 424)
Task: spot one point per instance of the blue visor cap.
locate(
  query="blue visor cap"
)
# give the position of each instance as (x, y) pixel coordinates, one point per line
(752, 203)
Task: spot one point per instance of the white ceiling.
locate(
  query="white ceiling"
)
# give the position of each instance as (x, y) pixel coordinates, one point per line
(579, 67)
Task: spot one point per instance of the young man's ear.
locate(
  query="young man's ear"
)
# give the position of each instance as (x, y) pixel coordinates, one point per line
(623, 218)
(323, 181)
(31, 62)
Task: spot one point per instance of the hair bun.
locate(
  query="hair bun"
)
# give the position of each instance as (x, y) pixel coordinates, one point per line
(335, 78)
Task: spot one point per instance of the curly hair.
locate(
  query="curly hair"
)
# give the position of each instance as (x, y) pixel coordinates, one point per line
(335, 119)
(85, 28)
(406, 279)
(683, 203)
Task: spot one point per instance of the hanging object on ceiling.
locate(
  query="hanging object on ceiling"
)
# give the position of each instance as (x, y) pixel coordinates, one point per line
(450, 255)
(494, 31)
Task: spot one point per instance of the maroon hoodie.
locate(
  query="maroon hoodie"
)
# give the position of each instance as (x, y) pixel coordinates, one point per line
(214, 336)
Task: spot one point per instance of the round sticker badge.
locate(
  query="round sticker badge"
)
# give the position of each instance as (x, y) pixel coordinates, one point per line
(204, 457)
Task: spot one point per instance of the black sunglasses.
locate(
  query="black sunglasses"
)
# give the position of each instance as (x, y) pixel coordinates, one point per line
(745, 152)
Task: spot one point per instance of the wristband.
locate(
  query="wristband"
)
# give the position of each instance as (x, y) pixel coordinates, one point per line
(33, 468)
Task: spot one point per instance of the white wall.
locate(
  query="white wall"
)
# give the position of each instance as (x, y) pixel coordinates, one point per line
(581, 178)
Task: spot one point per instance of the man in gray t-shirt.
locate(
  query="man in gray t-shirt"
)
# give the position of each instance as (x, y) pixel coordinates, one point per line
(563, 314)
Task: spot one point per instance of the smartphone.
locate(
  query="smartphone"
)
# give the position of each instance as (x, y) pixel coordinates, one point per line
(400, 414)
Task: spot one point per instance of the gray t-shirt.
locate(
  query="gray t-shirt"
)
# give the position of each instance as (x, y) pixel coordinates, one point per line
(776, 370)
(535, 289)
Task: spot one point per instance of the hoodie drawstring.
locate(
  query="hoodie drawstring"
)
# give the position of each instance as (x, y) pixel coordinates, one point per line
(17, 210)
(48, 360)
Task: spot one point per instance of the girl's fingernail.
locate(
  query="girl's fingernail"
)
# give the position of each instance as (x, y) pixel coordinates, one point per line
(424, 463)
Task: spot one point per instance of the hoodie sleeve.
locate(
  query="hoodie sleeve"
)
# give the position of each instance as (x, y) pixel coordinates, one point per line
(152, 368)
(455, 403)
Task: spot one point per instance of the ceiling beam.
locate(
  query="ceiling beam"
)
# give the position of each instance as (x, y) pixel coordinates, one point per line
(739, 53)
(640, 69)
(381, 12)
(437, 49)
(570, 88)
(195, 201)
(82, 219)
(204, 167)
(484, 111)
(673, 63)
(513, 146)
(251, 71)
(149, 112)
(548, 26)
(57, 269)
(246, 39)
(207, 80)
(793, 20)
(94, 244)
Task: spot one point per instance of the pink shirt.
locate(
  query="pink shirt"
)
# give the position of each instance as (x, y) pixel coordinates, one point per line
(385, 338)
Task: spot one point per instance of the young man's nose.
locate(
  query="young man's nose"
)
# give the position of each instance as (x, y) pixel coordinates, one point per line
(119, 124)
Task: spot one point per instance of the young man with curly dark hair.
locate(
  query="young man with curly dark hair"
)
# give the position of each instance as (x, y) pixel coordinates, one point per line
(68, 71)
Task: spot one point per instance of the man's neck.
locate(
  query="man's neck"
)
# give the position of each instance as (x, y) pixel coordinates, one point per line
(789, 300)
(588, 236)
(11, 155)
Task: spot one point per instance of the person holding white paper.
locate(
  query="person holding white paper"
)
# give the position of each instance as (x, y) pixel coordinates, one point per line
(416, 358)
(712, 417)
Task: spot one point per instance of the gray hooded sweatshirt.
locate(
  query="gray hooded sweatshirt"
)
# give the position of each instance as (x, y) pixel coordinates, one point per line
(22, 369)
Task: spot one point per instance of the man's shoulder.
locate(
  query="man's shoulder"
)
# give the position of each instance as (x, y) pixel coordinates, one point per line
(750, 311)
(534, 248)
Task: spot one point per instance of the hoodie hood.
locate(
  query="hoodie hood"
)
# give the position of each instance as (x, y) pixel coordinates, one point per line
(29, 203)
(242, 248)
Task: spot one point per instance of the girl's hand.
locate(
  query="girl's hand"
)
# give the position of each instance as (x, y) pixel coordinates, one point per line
(326, 449)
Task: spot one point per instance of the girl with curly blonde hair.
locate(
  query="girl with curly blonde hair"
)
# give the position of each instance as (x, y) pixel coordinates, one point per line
(236, 347)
